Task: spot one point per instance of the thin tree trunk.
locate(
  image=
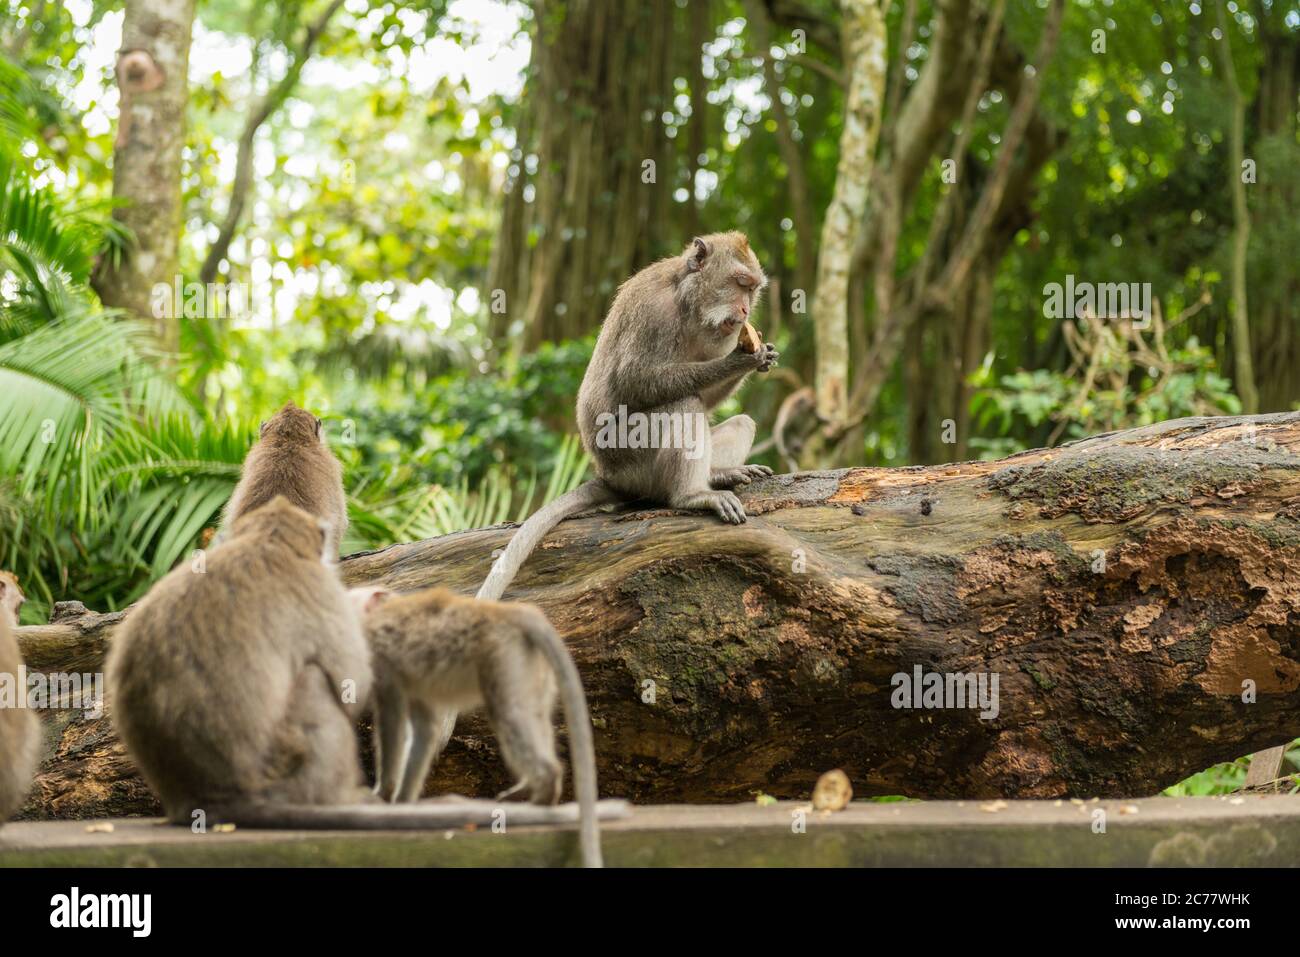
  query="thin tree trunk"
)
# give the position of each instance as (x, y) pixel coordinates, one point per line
(863, 28)
(1243, 371)
(265, 108)
(153, 91)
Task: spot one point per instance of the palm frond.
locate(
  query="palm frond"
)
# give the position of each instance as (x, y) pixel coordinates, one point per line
(65, 389)
(43, 241)
(173, 474)
(428, 513)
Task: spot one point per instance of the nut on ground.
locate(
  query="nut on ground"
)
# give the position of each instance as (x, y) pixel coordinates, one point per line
(832, 792)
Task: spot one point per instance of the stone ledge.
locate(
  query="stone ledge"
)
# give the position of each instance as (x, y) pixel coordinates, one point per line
(1247, 830)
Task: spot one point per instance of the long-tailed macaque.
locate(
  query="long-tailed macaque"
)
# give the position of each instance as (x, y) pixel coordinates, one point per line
(435, 654)
(20, 729)
(292, 458)
(239, 681)
(668, 352)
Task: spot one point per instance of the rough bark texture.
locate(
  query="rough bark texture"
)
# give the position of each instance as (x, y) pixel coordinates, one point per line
(1122, 588)
(865, 55)
(584, 210)
(153, 88)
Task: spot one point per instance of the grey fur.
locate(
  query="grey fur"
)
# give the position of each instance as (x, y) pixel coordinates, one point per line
(291, 458)
(669, 346)
(226, 683)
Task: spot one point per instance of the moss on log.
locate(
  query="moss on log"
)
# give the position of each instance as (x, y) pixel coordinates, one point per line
(1126, 590)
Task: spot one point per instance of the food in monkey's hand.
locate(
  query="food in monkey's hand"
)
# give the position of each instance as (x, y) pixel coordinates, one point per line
(750, 338)
(832, 791)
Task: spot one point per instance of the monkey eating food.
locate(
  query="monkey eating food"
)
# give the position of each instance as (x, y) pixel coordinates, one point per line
(670, 347)
(435, 654)
(20, 732)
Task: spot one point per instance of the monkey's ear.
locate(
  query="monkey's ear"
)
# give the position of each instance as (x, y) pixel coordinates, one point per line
(700, 252)
(261, 429)
(318, 428)
(376, 598)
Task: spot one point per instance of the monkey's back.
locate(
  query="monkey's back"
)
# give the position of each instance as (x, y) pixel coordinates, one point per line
(19, 733)
(201, 675)
(307, 474)
(443, 647)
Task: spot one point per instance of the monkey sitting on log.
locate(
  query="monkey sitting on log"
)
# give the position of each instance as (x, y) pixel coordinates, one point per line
(669, 350)
(239, 681)
(436, 653)
(20, 729)
(292, 458)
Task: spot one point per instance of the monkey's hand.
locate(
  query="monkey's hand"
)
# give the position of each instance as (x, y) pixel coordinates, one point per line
(766, 357)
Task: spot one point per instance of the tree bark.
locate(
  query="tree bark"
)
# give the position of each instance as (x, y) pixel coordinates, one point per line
(865, 57)
(801, 210)
(1124, 589)
(1243, 369)
(584, 207)
(153, 88)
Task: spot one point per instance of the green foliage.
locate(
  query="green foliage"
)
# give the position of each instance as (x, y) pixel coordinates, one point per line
(1230, 776)
(1119, 380)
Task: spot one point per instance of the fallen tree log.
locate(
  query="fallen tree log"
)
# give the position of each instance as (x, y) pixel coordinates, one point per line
(1136, 595)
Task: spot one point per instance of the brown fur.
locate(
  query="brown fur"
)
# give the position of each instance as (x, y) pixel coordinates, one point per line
(20, 730)
(226, 684)
(291, 458)
(436, 653)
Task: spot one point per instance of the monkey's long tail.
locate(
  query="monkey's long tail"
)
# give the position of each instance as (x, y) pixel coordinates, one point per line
(587, 495)
(582, 748)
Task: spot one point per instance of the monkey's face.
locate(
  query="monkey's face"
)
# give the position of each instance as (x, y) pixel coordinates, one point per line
(727, 281)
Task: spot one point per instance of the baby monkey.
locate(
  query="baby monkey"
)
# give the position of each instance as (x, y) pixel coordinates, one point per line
(435, 654)
(20, 731)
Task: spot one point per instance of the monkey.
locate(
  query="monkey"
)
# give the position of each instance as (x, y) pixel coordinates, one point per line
(227, 681)
(20, 729)
(435, 654)
(291, 458)
(667, 346)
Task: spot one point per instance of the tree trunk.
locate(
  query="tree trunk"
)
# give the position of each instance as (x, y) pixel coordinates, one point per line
(1127, 590)
(590, 188)
(865, 57)
(153, 88)
(1243, 369)
(1274, 287)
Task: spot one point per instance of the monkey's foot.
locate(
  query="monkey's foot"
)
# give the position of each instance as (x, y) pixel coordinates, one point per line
(724, 503)
(742, 475)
